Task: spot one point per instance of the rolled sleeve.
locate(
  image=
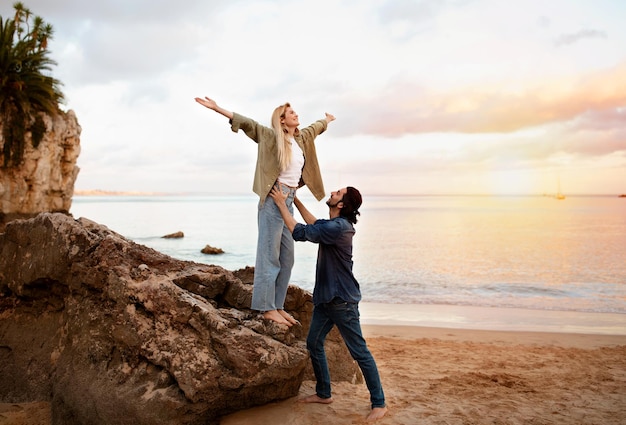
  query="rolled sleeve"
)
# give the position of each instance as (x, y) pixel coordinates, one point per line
(322, 231)
(298, 233)
(235, 122)
(310, 132)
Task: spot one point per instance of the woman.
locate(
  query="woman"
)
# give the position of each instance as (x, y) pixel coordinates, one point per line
(286, 157)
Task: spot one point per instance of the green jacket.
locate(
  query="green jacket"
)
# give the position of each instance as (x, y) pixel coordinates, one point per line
(267, 167)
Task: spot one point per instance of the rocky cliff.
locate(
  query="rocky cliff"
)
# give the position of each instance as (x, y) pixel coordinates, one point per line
(113, 332)
(44, 182)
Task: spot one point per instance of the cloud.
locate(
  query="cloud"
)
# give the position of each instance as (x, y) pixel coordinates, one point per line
(568, 39)
(591, 135)
(430, 94)
(120, 40)
(405, 108)
(613, 119)
(405, 18)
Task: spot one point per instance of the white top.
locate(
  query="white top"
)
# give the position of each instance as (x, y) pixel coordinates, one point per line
(291, 176)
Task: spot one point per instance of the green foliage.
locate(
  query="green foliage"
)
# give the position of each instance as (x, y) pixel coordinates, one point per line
(26, 88)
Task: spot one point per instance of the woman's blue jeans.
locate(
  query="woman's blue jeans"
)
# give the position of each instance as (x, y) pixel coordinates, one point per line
(274, 256)
(346, 317)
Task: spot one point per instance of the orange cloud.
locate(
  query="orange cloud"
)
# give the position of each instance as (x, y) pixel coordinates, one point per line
(407, 109)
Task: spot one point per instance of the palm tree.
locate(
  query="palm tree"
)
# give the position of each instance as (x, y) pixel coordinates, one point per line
(26, 88)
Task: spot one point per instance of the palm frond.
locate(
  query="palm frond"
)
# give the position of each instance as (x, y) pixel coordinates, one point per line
(26, 84)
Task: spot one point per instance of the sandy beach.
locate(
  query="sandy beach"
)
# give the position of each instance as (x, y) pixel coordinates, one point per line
(457, 376)
(463, 376)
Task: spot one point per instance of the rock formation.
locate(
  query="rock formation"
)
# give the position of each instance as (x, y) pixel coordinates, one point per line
(44, 182)
(211, 250)
(175, 235)
(110, 331)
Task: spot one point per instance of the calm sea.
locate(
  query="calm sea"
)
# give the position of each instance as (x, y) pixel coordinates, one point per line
(516, 252)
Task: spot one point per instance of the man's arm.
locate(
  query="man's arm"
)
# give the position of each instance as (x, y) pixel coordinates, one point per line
(279, 198)
(306, 215)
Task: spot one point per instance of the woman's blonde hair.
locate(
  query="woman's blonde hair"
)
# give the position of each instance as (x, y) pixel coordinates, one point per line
(283, 144)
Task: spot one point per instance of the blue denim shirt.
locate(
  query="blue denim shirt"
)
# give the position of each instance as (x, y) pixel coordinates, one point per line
(333, 274)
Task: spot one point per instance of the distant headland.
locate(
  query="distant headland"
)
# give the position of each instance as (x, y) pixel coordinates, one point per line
(99, 192)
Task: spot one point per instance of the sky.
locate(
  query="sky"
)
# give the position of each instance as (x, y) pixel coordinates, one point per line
(430, 96)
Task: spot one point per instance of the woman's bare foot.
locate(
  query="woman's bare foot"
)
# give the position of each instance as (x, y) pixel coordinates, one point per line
(376, 413)
(288, 317)
(275, 316)
(314, 398)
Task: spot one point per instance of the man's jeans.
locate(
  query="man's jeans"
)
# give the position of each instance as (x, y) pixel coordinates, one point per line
(274, 256)
(346, 317)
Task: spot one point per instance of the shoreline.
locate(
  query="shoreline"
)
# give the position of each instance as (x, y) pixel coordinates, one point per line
(492, 319)
(481, 336)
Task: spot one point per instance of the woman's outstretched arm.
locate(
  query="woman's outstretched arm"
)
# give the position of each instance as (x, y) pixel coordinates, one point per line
(211, 104)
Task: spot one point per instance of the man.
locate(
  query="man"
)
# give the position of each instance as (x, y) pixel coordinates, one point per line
(336, 294)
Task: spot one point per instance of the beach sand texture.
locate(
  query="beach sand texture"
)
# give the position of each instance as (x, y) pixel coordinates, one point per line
(450, 376)
(457, 376)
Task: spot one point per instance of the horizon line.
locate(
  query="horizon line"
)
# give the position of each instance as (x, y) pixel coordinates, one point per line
(101, 192)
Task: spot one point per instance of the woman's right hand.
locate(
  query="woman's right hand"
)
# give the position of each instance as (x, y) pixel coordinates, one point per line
(207, 102)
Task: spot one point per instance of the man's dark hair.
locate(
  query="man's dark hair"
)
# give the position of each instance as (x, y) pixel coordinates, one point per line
(351, 204)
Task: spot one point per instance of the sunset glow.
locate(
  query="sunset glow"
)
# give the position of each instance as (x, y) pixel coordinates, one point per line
(476, 97)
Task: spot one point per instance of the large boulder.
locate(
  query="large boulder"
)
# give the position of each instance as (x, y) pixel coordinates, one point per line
(113, 332)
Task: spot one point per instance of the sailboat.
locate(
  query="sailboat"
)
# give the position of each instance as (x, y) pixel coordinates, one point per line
(559, 195)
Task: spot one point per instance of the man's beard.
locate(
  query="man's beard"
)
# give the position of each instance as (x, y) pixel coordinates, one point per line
(331, 205)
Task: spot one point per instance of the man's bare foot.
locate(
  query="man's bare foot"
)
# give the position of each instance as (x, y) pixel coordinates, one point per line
(314, 398)
(275, 316)
(288, 317)
(376, 413)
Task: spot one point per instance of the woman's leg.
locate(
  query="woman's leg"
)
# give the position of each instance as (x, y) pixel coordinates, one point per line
(286, 261)
(267, 265)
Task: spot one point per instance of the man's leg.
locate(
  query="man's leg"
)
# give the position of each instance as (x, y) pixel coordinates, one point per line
(320, 326)
(346, 317)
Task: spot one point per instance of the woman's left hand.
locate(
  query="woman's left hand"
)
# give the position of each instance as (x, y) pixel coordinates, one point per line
(329, 117)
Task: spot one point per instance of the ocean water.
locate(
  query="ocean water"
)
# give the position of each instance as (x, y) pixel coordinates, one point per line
(516, 252)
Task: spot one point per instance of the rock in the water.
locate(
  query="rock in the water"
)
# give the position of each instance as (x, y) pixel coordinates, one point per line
(211, 250)
(175, 235)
